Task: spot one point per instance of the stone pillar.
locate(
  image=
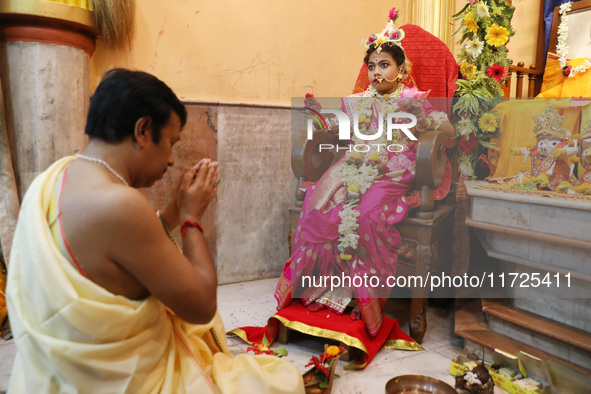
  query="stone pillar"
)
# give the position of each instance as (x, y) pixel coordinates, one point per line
(45, 49)
(433, 16)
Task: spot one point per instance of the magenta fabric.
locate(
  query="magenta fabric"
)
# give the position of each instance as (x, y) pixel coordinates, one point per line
(381, 208)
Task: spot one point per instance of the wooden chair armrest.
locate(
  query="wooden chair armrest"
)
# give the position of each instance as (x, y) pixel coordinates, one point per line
(307, 162)
(431, 157)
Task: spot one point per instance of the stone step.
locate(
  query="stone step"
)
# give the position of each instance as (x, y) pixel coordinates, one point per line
(470, 324)
(503, 311)
(563, 341)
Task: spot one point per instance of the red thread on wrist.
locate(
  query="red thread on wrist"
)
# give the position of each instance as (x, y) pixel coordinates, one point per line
(188, 224)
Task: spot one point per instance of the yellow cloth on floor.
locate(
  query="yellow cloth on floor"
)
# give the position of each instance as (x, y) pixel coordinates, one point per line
(74, 336)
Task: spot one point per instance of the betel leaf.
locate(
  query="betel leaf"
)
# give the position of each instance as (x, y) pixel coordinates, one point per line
(280, 352)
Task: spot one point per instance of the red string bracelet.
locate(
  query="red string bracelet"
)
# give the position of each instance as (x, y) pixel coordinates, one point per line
(188, 224)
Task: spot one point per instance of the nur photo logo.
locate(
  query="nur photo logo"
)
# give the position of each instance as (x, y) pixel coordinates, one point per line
(390, 123)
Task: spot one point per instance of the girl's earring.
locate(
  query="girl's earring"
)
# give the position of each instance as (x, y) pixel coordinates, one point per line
(399, 77)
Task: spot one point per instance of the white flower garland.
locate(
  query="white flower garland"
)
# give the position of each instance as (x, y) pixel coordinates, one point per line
(562, 47)
(358, 175)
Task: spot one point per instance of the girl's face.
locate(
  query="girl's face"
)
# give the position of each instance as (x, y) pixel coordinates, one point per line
(382, 72)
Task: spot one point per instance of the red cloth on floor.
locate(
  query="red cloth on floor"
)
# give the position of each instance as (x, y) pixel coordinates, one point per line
(327, 324)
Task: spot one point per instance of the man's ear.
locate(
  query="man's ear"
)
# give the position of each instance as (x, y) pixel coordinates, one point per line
(143, 131)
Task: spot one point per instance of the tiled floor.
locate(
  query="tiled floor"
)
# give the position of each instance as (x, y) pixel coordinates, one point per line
(252, 303)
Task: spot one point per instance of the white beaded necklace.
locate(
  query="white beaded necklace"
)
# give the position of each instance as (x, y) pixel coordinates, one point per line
(107, 166)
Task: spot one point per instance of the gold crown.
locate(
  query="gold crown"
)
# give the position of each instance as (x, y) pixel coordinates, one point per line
(550, 122)
(586, 131)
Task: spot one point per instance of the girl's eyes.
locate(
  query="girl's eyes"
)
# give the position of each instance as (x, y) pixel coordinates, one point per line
(383, 65)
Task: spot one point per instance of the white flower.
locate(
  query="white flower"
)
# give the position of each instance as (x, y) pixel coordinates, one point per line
(438, 117)
(565, 8)
(482, 10)
(363, 177)
(466, 168)
(465, 127)
(474, 47)
(580, 69)
(562, 44)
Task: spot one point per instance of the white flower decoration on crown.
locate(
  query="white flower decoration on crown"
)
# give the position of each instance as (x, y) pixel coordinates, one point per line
(389, 35)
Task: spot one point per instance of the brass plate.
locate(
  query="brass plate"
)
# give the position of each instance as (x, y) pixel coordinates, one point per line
(418, 384)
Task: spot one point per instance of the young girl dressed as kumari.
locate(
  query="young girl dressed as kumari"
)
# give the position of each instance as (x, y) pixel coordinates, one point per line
(348, 221)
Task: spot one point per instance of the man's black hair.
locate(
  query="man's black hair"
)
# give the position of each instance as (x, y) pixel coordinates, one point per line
(123, 97)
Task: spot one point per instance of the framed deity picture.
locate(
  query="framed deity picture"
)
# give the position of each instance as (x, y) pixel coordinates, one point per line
(579, 30)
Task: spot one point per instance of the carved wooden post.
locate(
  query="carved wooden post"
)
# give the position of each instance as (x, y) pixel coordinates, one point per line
(519, 86)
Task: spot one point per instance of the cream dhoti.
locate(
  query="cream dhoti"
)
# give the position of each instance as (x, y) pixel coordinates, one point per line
(74, 336)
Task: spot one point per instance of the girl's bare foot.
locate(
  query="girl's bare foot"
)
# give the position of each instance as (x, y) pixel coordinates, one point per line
(356, 313)
(315, 307)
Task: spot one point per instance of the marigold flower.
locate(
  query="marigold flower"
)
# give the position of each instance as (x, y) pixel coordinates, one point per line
(559, 153)
(572, 160)
(353, 188)
(582, 189)
(497, 35)
(333, 350)
(543, 180)
(488, 123)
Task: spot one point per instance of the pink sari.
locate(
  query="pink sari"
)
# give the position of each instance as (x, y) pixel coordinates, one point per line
(315, 252)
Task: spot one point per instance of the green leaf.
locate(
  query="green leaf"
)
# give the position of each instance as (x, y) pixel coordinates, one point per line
(280, 352)
(488, 144)
(265, 340)
(530, 186)
(323, 385)
(462, 10)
